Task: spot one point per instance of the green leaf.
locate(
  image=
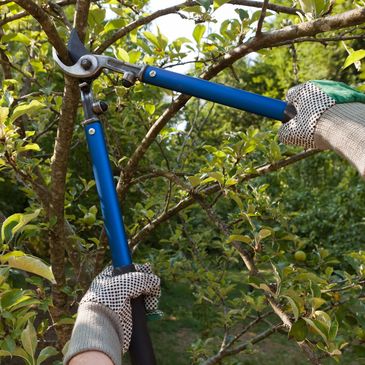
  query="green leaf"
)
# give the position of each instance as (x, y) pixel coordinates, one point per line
(308, 276)
(24, 318)
(29, 147)
(243, 14)
(122, 54)
(333, 330)
(354, 57)
(317, 302)
(29, 339)
(299, 330)
(218, 3)
(236, 198)
(4, 112)
(321, 6)
(264, 233)
(66, 320)
(22, 109)
(275, 152)
(205, 3)
(218, 176)
(198, 32)
(8, 344)
(306, 5)
(46, 353)
(294, 307)
(315, 289)
(16, 37)
(239, 237)
(324, 318)
(194, 180)
(4, 353)
(10, 298)
(25, 302)
(96, 16)
(152, 38)
(15, 223)
(150, 108)
(231, 181)
(317, 328)
(193, 9)
(19, 352)
(4, 273)
(32, 264)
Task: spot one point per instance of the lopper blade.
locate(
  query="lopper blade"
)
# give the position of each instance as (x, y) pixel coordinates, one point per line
(75, 47)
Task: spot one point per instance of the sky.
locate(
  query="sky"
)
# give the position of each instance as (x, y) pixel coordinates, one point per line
(173, 26)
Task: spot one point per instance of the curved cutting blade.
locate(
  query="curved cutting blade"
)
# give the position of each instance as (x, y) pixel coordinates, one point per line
(75, 47)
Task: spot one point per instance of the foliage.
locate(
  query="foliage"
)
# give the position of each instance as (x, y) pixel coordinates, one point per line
(214, 201)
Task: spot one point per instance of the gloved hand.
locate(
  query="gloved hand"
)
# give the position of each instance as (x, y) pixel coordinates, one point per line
(330, 115)
(104, 319)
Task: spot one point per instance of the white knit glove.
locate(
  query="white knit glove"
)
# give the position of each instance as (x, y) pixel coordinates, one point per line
(116, 292)
(330, 115)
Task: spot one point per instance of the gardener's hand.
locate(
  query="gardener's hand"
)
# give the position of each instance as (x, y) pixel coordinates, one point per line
(330, 115)
(104, 319)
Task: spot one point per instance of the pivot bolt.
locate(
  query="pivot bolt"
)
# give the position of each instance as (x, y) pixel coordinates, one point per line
(129, 79)
(86, 64)
(153, 73)
(100, 107)
(91, 131)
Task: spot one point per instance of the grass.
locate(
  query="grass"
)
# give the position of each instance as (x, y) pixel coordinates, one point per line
(173, 335)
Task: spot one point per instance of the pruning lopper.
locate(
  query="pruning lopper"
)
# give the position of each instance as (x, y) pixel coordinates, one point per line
(88, 67)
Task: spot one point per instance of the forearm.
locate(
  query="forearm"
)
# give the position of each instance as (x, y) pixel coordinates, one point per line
(91, 358)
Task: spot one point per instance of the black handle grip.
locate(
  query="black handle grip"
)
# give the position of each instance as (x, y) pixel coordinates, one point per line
(140, 348)
(289, 113)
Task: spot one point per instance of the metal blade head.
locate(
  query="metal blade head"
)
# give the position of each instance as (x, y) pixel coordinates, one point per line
(75, 47)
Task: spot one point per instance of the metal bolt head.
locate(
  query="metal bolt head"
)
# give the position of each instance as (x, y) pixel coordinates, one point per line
(100, 107)
(91, 131)
(152, 73)
(86, 64)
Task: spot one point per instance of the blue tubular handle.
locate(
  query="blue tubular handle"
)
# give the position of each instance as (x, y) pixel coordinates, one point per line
(141, 349)
(236, 98)
(110, 208)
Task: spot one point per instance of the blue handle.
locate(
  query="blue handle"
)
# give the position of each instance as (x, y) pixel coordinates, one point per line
(110, 208)
(236, 98)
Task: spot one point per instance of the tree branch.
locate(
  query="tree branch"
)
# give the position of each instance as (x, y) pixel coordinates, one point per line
(248, 260)
(174, 9)
(276, 8)
(265, 40)
(47, 25)
(80, 19)
(23, 14)
(322, 40)
(263, 170)
(262, 17)
(216, 359)
(57, 234)
(276, 37)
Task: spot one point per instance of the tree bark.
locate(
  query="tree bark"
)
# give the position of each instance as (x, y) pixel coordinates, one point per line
(56, 217)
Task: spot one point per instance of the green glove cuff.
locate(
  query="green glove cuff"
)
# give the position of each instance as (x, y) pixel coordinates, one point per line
(339, 91)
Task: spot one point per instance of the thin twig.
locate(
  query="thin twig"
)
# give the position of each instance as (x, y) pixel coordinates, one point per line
(267, 39)
(174, 9)
(262, 17)
(322, 40)
(263, 170)
(47, 25)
